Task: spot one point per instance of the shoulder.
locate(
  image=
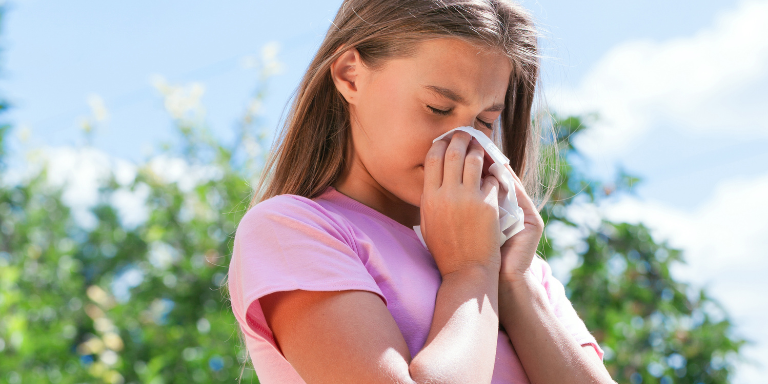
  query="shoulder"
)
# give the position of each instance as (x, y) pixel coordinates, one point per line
(284, 208)
(284, 204)
(286, 216)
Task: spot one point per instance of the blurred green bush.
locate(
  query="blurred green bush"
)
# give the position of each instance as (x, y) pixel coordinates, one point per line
(653, 329)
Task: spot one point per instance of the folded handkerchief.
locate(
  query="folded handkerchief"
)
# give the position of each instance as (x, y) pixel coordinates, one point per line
(510, 214)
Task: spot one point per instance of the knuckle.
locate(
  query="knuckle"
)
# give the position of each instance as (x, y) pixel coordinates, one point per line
(439, 145)
(432, 159)
(474, 159)
(453, 154)
(461, 135)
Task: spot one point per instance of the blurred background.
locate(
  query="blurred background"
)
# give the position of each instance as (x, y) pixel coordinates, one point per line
(132, 133)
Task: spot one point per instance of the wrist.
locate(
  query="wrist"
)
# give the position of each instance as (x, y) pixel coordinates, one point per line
(518, 280)
(520, 296)
(518, 291)
(474, 271)
(489, 265)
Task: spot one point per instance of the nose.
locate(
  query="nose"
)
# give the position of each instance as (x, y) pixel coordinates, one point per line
(465, 122)
(458, 122)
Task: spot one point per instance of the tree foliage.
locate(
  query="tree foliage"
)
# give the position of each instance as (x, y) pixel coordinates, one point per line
(116, 302)
(653, 328)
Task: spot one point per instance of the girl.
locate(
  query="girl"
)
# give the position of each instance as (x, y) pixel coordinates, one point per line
(328, 280)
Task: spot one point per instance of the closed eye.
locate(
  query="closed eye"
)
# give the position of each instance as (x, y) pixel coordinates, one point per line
(487, 125)
(446, 112)
(439, 111)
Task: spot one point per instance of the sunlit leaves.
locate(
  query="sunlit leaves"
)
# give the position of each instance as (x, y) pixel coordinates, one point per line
(652, 328)
(138, 296)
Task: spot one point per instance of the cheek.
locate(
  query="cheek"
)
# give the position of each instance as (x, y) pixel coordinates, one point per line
(381, 107)
(396, 130)
(394, 137)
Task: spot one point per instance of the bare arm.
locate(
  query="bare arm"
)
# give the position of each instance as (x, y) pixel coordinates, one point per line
(351, 337)
(546, 349)
(461, 346)
(551, 354)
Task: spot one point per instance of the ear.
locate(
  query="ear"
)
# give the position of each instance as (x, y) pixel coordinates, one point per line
(346, 72)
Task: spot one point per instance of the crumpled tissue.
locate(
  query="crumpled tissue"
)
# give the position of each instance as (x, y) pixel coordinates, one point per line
(510, 214)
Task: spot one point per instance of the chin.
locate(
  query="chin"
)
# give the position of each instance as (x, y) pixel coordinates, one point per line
(414, 198)
(413, 191)
(409, 191)
(418, 186)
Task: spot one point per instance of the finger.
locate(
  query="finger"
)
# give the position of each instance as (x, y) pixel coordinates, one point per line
(488, 161)
(513, 173)
(523, 200)
(506, 182)
(518, 183)
(433, 165)
(490, 189)
(453, 167)
(473, 165)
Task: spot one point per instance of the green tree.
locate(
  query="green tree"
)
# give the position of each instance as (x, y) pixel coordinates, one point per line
(119, 303)
(62, 317)
(653, 328)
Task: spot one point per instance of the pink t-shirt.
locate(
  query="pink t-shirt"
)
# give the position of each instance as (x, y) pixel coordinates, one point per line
(335, 243)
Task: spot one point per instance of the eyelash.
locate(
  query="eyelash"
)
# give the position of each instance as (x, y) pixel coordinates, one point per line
(443, 113)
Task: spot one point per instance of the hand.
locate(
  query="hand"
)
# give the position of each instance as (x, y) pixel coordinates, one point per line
(459, 208)
(518, 251)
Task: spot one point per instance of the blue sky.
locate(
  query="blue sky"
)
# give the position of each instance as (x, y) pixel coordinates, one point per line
(680, 85)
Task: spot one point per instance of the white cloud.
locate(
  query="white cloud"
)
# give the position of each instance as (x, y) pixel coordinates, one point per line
(725, 243)
(712, 81)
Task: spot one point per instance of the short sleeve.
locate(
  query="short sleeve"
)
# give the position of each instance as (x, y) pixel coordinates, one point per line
(286, 243)
(562, 306)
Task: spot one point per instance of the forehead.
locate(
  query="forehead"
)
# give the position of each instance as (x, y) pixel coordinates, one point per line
(472, 70)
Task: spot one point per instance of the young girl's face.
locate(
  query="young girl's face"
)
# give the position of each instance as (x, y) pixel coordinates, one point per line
(396, 111)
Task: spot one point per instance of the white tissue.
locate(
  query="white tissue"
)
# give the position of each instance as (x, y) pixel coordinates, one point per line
(510, 214)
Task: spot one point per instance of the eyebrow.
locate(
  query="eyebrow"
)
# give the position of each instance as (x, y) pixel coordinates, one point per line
(452, 95)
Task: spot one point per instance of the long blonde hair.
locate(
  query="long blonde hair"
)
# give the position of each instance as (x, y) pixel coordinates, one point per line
(309, 152)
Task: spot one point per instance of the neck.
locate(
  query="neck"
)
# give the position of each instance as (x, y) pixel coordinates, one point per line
(358, 184)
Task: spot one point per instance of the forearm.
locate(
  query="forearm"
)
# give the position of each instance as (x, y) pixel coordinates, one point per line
(461, 345)
(546, 349)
